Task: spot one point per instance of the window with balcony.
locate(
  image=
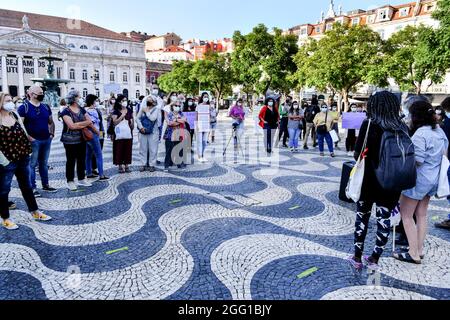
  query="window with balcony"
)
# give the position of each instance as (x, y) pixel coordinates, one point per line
(85, 93)
(138, 77)
(72, 74)
(125, 77)
(112, 76)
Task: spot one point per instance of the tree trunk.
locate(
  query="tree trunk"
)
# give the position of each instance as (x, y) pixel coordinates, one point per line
(345, 98)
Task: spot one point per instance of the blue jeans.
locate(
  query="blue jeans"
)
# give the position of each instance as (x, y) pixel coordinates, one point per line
(327, 137)
(294, 136)
(202, 142)
(94, 147)
(39, 157)
(21, 169)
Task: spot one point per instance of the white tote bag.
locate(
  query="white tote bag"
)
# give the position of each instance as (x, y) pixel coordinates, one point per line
(334, 136)
(444, 187)
(123, 131)
(355, 182)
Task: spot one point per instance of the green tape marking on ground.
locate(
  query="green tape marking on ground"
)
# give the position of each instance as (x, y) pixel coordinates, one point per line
(436, 218)
(175, 201)
(307, 273)
(117, 250)
(294, 208)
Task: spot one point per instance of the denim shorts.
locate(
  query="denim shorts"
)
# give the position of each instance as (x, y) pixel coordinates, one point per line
(420, 192)
(213, 125)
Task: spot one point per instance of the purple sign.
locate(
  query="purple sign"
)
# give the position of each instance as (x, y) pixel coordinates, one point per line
(191, 118)
(353, 120)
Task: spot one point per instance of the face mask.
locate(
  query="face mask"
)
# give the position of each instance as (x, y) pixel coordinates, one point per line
(155, 92)
(40, 97)
(324, 109)
(239, 104)
(438, 112)
(9, 106)
(124, 104)
(113, 101)
(173, 98)
(296, 106)
(270, 104)
(81, 102)
(190, 104)
(205, 100)
(354, 109)
(176, 109)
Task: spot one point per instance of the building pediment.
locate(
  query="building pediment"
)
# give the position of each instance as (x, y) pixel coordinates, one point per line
(29, 39)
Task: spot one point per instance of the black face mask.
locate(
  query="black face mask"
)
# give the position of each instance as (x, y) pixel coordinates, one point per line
(40, 97)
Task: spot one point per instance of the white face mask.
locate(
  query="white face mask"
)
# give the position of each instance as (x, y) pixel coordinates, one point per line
(190, 103)
(239, 104)
(124, 104)
(296, 106)
(113, 102)
(354, 109)
(9, 106)
(81, 102)
(324, 109)
(205, 100)
(438, 112)
(270, 104)
(155, 92)
(176, 109)
(173, 98)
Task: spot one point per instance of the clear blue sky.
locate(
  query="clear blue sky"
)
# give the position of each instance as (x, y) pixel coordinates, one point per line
(204, 19)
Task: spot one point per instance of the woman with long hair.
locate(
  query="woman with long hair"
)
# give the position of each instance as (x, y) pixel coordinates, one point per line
(430, 143)
(383, 114)
(122, 149)
(237, 113)
(15, 151)
(269, 119)
(295, 126)
(204, 128)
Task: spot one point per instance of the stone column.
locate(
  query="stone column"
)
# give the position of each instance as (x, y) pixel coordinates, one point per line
(5, 88)
(36, 67)
(65, 76)
(21, 80)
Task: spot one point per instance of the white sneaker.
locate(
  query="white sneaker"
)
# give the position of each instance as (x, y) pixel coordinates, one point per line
(350, 154)
(84, 183)
(204, 160)
(72, 186)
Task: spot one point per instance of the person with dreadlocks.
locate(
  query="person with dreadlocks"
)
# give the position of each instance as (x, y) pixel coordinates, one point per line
(383, 113)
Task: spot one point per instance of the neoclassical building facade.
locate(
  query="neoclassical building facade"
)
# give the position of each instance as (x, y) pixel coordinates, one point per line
(94, 59)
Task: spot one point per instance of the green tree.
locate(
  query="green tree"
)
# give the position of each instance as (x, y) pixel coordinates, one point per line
(215, 73)
(442, 49)
(263, 60)
(179, 79)
(346, 57)
(411, 62)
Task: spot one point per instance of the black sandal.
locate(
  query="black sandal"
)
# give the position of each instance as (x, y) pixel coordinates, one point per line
(406, 257)
(406, 249)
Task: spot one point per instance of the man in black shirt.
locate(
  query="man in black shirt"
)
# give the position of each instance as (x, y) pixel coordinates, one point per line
(310, 113)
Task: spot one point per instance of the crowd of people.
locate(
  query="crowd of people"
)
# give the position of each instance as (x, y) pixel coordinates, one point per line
(27, 130)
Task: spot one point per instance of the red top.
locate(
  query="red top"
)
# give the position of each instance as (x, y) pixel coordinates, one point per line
(271, 117)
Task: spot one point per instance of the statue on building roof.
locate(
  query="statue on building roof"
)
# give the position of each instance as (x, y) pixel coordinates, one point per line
(25, 23)
(331, 13)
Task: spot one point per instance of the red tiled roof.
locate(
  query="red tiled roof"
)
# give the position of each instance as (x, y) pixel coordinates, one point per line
(39, 22)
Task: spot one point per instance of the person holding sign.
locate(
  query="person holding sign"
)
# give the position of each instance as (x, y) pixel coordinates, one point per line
(203, 125)
(190, 112)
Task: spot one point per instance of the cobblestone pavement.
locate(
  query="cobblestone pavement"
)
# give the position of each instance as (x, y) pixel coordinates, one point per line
(237, 227)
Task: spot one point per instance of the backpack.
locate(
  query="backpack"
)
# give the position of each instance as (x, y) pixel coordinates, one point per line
(397, 167)
(310, 114)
